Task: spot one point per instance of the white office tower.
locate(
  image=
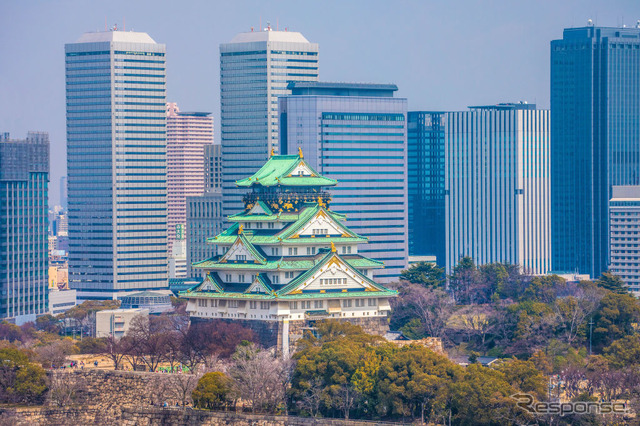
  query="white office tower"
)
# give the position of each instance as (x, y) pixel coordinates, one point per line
(497, 186)
(255, 69)
(116, 162)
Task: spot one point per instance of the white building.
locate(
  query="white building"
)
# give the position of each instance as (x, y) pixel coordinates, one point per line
(61, 300)
(116, 322)
(497, 186)
(116, 161)
(255, 69)
(624, 235)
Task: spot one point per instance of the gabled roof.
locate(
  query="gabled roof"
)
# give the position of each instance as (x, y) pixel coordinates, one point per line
(308, 215)
(279, 170)
(210, 283)
(260, 284)
(331, 257)
(286, 264)
(241, 240)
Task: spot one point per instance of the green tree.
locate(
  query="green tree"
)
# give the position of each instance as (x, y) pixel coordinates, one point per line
(482, 397)
(612, 283)
(464, 281)
(624, 352)
(427, 274)
(524, 376)
(414, 329)
(21, 381)
(544, 289)
(617, 316)
(414, 381)
(213, 391)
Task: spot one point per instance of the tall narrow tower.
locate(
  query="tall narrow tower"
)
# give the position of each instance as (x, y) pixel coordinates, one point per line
(595, 139)
(255, 69)
(116, 164)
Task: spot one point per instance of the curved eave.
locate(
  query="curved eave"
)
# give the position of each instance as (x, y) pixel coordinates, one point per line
(330, 295)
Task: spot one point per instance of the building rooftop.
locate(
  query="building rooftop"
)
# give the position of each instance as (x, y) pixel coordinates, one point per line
(341, 89)
(117, 36)
(270, 35)
(591, 31)
(507, 106)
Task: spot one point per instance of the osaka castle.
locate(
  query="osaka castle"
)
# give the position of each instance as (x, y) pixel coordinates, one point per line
(287, 261)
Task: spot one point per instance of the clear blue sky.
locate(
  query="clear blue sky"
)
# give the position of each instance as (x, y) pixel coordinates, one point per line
(443, 55)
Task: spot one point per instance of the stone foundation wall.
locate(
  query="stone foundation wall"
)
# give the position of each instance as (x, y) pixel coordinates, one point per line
(151, 416)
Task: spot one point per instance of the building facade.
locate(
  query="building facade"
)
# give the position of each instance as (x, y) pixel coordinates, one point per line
(497, 186)
(188, 133)
(624, 235)
(426, 181)
(288, 260)
(24, 207)
(116, 164)
(356, 134)
(255, 69)
(213, 167)
(595, 128)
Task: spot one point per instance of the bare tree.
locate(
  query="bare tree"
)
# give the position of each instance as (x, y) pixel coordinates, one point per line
(257, 374)
(54, 354)
(312, 398)
(66, 389)
(180, 386)
(115, 350)
(346, 399)
(152, 336)
(573, 311)
(432, 306)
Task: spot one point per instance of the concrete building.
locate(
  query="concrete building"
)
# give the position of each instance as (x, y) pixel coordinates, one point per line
(61, 300)
(356, 134)
(426, 179)
(288, 260)
(156, 302)
(255, 69)
(497, 186)
(204, 219)
(178, 256)
(624, 235)
(595, 129)
(116, 322)
(188, 133)
(116, 164)
(24, 207)
(213, 167)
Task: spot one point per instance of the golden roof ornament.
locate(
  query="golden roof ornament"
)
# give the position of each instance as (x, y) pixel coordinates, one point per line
(273, 152)
(300, 152)
(240, 229)
(333, 247)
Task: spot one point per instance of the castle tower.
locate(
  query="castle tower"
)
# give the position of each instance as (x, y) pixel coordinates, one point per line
(288, 261)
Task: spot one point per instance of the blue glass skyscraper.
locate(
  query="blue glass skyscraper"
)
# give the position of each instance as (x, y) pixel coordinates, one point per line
(24, 198)
(595, 139)
(356, 134)
(426, 178)
(116, 164)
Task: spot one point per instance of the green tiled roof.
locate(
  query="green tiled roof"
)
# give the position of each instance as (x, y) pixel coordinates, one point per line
(283, 264)
(228, 236)
(277, 171)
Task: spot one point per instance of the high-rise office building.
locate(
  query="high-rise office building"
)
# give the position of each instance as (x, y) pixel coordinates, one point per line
(497, 186)
(24, 207)
(356, 134)
(624, 235)
(425, 174)
(595, 132)
(187, 135)
(63, 192)
(116, 164)
(204, 213)
(255, 69)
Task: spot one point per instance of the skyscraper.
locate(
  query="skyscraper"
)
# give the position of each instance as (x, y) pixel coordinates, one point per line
(24, 207)
(204, 213)
(624, 235)
(187, 135)
(116, 164)
(497, 186)
(425, 173)
(595, 134)
(255, 68)
(356, 134)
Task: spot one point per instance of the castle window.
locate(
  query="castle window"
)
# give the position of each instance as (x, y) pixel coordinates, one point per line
(270, 225)
(359, 303)
(373, 302)
(311, 250)
(259, 225)
(288, 274)
(214, 303)
(264, 305)
(227, 278)
(241, 257)
(275, 279)
(293, 305)
(253, 304)
(240, 278)
(274, 251)
(233, 303)
(346, 303)
(320, 231)
(317, 304)
(293, 251)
